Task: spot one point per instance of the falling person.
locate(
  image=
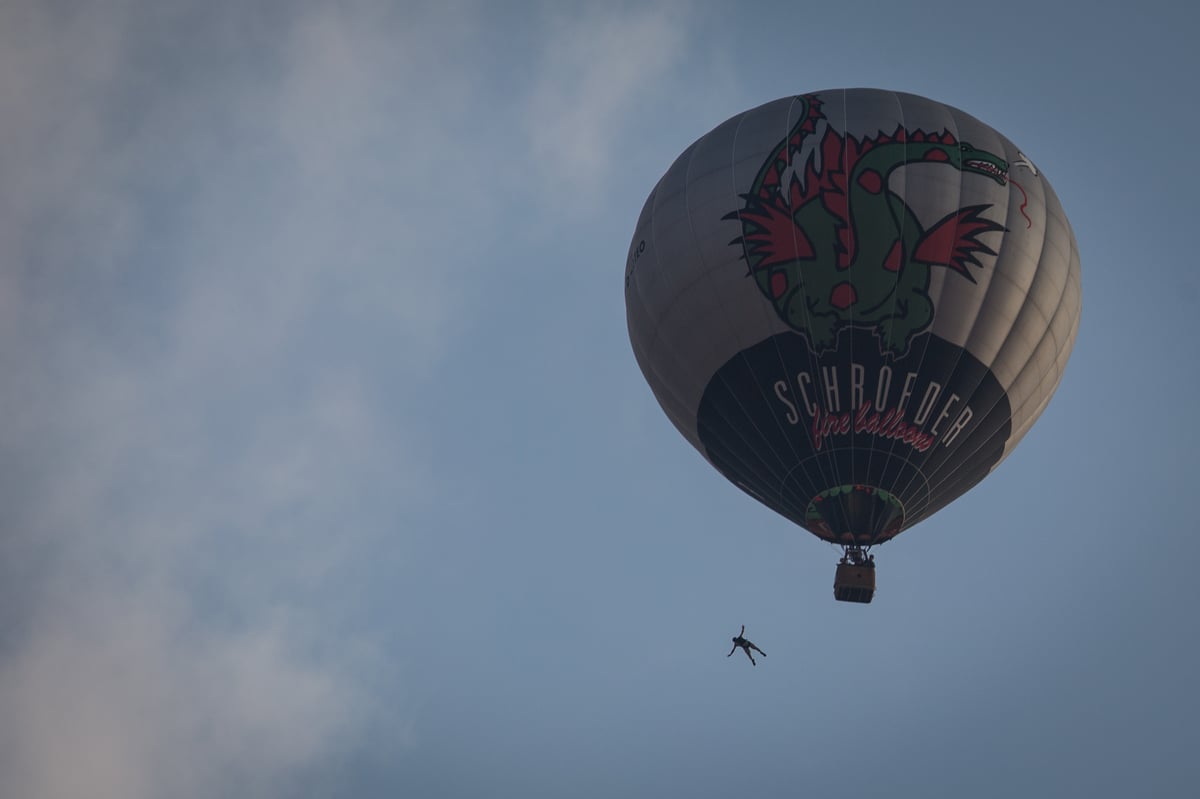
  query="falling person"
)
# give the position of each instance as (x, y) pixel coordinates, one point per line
(746, 647)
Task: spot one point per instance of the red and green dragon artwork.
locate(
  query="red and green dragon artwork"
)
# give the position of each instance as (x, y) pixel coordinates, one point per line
(832, 245)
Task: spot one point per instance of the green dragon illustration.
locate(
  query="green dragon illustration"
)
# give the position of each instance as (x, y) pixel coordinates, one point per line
(831, 245)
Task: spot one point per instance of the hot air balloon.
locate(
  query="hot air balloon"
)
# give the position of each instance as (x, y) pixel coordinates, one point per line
(854, 303)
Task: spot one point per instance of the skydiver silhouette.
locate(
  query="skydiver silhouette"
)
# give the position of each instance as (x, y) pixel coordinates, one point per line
(746, 647)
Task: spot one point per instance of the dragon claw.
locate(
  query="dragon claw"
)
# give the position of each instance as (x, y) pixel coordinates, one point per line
(821, 332)
(893, 336)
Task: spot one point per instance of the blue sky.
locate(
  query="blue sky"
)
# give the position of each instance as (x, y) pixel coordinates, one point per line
(328, 470)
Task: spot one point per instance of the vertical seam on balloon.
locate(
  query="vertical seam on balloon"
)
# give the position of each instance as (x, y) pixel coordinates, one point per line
(1016, 319)
(814, 364)
(1061, 359)
(957, 454)
(950, 373)
(739, 354)
(993, 281)
(827, 458)
(770, 318)
(825, 461)
(843, 124)
(1040, 398)
(871, 450)
(1064, 348)
(1048, 332)
(918, 468)
(853, 267)
(762, 460)
(661, 275)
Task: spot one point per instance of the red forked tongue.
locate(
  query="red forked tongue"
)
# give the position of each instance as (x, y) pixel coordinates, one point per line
(1024, 202)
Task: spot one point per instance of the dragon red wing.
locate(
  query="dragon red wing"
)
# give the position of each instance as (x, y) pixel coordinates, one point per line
(954, 241)
(773, 238)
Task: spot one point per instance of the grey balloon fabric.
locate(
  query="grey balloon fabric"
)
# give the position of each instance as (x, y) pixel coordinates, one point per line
(854, 303)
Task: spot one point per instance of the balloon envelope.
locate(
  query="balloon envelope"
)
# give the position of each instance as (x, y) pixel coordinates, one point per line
(854, 303)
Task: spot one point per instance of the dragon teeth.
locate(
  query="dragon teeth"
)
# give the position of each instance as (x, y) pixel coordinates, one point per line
(986, 167)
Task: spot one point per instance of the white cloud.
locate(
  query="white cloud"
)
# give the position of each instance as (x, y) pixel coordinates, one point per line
(217, 255)
(120, 698)
(596, 69)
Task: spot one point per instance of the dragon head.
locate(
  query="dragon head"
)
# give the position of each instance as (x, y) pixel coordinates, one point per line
(963, 156)
(982, 162)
